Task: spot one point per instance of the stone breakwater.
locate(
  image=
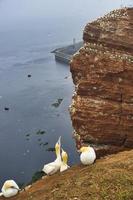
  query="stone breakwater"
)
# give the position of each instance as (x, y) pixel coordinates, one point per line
(102, 71)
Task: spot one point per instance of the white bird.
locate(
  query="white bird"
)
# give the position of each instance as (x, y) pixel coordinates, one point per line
(53, 167)
(9, 189)
(64, 165)
(87, 156)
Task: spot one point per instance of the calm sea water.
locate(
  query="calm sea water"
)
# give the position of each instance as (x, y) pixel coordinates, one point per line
(23, 148)
(29, 130)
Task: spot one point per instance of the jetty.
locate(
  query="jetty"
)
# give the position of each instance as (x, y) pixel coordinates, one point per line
(64, 54)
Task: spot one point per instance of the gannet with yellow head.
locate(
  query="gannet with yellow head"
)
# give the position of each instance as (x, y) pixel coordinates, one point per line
(87, 156)
(53, 167)
(64, 165)
(9, 189)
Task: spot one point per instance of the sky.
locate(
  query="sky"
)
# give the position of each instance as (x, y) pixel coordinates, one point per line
(15, 11)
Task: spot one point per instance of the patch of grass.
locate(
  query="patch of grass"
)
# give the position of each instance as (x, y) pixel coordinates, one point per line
(125, 195)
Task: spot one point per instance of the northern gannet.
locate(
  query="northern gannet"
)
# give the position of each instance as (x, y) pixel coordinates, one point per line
(87, 156)
(53, 167)
(64, 165)
(9, 189)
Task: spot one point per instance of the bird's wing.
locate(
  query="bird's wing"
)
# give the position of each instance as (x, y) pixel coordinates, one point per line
(64, 167)
(50, 168)
(14, 184)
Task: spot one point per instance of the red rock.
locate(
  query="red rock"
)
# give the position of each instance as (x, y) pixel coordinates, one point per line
(102, 71)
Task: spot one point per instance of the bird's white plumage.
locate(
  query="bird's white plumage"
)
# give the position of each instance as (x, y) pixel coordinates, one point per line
(64, 165)
(88, 156)
(53, 167)
(9, 189)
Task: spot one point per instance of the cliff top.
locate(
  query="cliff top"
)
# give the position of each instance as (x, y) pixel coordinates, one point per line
(114, 30)
(109, 178)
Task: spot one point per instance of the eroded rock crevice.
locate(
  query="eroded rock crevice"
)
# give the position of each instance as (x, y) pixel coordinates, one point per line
(102, 71)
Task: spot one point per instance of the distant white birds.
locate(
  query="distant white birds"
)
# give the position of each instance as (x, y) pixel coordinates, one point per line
(53, 167)
(64, 165)
(87, 156)
(9, 189)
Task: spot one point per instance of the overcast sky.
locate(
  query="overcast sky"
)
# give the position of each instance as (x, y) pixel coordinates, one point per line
(12, 11)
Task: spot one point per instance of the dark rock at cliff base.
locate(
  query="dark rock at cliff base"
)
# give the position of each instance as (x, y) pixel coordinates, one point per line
(6, 109)
(29, 75)
(102, 71)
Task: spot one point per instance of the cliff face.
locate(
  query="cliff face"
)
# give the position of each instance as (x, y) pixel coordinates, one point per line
(102, 71)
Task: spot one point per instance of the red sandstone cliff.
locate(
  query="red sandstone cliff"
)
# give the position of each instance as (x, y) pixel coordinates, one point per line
(102, 71)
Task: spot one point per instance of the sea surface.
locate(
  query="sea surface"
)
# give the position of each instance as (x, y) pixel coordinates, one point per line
(38, 105)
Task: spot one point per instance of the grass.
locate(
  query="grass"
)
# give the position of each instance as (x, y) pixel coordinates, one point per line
(109, 178)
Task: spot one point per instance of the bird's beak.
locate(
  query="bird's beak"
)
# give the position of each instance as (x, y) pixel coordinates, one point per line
(16, 188)
(59, 140)
(62, 150)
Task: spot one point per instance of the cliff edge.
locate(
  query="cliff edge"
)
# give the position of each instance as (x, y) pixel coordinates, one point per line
(102, 71)
(110, 178)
